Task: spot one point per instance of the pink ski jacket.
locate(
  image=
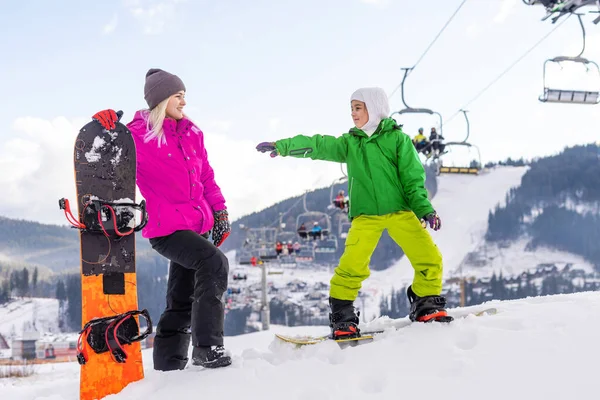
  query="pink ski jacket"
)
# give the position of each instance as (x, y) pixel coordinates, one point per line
(175, 179)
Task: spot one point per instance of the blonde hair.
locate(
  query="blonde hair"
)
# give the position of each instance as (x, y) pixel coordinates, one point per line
(154, 123)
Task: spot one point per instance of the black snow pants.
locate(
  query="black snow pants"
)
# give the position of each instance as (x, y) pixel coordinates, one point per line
(197, 280)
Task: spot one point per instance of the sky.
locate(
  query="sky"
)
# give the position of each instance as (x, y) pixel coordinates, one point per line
(261, 71)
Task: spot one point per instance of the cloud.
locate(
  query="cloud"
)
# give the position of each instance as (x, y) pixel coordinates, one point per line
(110, 26)
(153, 14)
(37, 166)
(506, 9)
(38, 160)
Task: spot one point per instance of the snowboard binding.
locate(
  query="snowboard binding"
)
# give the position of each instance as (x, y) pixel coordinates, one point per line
(111, 334)
(97, 212)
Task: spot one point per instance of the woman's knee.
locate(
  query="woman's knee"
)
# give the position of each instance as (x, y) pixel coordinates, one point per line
(222, 269)
(216, 269)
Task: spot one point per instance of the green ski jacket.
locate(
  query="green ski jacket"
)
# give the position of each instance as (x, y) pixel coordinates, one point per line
(385, 173)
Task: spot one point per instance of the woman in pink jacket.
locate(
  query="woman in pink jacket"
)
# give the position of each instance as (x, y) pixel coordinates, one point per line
(183, 203)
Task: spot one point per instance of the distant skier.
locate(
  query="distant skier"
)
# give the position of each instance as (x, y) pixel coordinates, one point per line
(437, 141)
(420, 142)
(316, 231)
(184, 203)
(387, 191)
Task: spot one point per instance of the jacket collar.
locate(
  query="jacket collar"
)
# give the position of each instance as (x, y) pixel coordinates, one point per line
(386, 125)
(176, 128)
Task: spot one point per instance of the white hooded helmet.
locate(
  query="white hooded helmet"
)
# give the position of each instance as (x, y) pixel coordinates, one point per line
(377, 105)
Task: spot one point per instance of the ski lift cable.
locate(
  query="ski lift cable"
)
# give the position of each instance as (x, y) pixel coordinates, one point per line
(583, 31)
(431, 44)
(497, 78)
(289, 209)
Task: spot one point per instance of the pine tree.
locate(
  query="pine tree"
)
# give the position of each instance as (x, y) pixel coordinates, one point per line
(74, 301)
(34, 281)
(24, 282)
(61, 292)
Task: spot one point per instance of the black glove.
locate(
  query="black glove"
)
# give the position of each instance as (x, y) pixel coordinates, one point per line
(108, 118)
(221, 228)
(433, 219)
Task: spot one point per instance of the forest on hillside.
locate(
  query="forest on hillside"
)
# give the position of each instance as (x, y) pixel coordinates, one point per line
(557, 204)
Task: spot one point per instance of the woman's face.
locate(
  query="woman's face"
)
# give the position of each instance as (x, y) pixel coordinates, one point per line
(360, 116)
(175, 105)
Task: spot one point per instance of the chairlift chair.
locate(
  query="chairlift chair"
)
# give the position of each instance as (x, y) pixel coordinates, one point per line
(570, 96)
(411, 110)
(339, 181)
(462, 169)
(314, 216)
(441, 169)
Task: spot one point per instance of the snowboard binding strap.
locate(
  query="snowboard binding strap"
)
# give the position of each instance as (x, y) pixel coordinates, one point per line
(109, 334)
(97, 211)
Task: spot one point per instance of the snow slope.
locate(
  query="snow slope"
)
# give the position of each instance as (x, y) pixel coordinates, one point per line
(536, 348)
(29, 314)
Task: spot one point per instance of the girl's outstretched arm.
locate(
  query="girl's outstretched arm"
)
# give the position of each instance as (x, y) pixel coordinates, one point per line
(317, 147)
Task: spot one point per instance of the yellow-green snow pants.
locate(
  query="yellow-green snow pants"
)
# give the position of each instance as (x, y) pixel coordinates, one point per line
(406, 230)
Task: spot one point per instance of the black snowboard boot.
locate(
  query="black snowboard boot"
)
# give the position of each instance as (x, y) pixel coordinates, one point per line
(210, 357)
(427, 308)
(343, 319)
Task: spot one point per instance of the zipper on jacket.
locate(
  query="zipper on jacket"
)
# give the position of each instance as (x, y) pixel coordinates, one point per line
(304, 151)
(350, 196)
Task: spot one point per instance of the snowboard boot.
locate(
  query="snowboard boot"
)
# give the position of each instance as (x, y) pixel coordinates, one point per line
(343, 319)
(210, 357)
(427, 308)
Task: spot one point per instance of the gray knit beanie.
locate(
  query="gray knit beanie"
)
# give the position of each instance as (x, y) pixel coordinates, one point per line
(160, 85)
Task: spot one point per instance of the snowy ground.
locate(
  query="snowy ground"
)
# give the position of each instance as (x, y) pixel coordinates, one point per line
(21, 315)
(536, 348)
(515, 259)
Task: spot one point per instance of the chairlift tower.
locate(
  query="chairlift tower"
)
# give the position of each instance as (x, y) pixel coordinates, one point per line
(265, 312)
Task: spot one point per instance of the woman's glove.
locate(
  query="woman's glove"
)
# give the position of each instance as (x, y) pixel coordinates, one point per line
(433, 219)
(108, 118)
(263, 147)
(221, 228)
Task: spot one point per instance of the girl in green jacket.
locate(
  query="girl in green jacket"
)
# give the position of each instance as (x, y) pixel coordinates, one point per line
(386, 183)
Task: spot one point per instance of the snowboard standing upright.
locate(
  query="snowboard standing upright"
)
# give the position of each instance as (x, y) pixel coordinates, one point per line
(109, 345)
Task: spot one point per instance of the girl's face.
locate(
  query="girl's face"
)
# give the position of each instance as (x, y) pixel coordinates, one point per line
(360, 116)
(175, 105)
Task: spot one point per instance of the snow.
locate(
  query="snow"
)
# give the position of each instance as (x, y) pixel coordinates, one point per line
(93, 155)
(536, 348)
(515, 259)
(116, 159)
(29, 314)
